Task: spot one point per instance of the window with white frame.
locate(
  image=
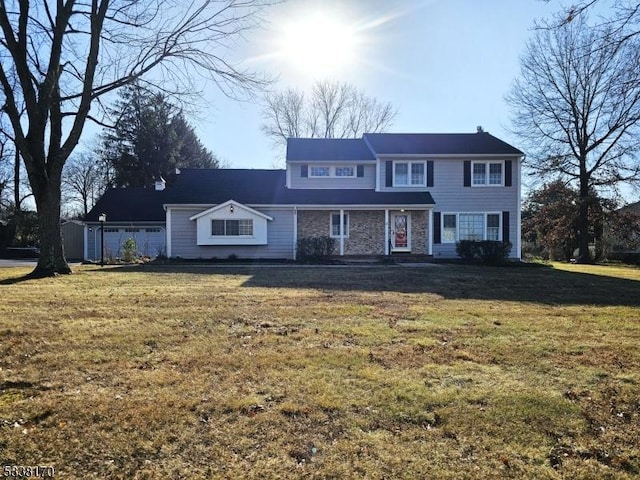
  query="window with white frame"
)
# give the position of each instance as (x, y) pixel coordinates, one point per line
(335, 224)
(345, 172)
(470, 226)
(487, 174)
(409, 174)
(449, 230)
(493, 226)
(316, 171)
(231, 228)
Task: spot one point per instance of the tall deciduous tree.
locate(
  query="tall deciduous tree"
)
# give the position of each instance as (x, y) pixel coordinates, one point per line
(66, 55)
(150, 139)
(332, 110)
(83, 181)
(576, 106)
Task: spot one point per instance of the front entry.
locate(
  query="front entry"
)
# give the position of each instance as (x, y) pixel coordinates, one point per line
(400, 232)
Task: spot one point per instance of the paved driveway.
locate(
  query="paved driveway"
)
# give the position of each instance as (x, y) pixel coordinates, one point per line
(16, 262)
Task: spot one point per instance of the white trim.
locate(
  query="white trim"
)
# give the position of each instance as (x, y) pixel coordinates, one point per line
(484, 225)
(430, 242)
(85, 250)
(519, 212)
(393, 222)
(168, 229)
(295, 232)
(342, 232)
(378, 174)
(288, 178)
(334, 206)
(409, 165)
(344, 214)
(386, 232)
(487, 173)
(234, 204)
(332, 170)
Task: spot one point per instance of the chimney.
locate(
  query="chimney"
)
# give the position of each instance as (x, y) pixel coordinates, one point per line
(480, 129)
(160, 184)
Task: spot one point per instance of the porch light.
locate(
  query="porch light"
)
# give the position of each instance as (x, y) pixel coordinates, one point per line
(102, 218)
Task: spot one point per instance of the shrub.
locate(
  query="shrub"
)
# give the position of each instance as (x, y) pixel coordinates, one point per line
(129, 250)
(490, 252)
(315, 248)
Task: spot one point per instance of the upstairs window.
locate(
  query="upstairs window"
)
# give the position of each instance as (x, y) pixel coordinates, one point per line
(231, 228)
(319, 172)
(487, 174)
(345, 172)
(409, 174)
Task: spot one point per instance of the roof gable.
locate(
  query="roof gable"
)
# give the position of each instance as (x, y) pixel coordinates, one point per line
(234, 205)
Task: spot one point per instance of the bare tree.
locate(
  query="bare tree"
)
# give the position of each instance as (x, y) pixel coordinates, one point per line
(333, 110)
(67, 55)
(576, 106)
(83, 181)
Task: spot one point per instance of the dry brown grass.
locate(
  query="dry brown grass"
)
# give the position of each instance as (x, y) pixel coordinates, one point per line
(387, 372)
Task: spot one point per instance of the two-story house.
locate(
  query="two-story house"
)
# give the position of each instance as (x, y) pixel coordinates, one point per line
(380, 194)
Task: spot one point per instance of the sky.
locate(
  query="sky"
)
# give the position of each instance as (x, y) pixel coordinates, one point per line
(444, 64)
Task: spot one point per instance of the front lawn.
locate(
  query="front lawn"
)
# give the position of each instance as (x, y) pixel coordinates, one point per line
(287, 372)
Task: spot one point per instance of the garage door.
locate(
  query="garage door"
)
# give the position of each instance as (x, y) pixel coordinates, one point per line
(150, 241)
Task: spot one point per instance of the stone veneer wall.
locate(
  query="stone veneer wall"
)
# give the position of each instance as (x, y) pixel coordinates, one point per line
(419, 232)
(366, 233)
(366, 230)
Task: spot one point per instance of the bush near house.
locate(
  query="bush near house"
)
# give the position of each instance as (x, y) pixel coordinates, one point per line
(489, 252)
(315, 249)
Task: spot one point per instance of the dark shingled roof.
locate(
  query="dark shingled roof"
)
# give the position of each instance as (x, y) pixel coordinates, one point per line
(131, 204)
(481, 143)
(323, 149)
(267, 187)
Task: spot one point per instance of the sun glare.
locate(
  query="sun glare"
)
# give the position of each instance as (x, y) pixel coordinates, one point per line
(319, 45)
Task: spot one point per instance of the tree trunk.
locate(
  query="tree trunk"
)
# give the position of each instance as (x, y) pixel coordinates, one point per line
(583, 227)
(52, 260)
(16, 182)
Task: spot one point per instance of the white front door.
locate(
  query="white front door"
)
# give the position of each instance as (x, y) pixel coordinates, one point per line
(401, 232)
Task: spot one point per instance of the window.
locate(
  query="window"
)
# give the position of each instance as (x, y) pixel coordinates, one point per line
(487, 173)
(231, 228)
(470, 226)
(493, 226)
(319, 172)
(111, 230)
(345, 172)
(409, 174)
(449, 228)
(153, 230)
(132, 230)
(335, 225)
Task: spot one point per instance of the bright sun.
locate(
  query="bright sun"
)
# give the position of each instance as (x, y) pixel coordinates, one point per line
(318, 45)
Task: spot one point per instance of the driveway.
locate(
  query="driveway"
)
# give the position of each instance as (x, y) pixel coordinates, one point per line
(17, 262)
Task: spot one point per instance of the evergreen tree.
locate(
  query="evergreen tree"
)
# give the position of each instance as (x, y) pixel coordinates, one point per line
(151, 139)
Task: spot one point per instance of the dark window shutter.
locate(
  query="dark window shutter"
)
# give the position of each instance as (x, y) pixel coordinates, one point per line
(467, 173)
(360, 171)
(304, 170)
(507, 174)
(505, 227)
(436, 228)
(389, 173)
(430, 173)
